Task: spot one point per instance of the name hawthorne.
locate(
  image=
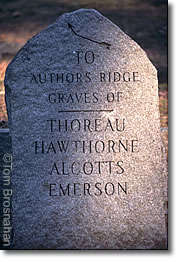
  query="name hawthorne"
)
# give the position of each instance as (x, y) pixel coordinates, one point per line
(90, 146)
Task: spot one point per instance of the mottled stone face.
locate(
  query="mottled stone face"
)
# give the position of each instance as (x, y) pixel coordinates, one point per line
(82, 101)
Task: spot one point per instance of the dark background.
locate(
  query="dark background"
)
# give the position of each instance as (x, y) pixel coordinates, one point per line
(145, 21)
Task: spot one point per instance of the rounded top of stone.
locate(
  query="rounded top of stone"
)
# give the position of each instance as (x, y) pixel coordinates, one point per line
(89, 27)
(85, 10)
(81, 10)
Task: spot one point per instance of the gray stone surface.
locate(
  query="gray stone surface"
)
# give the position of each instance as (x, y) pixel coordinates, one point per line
(106, 189)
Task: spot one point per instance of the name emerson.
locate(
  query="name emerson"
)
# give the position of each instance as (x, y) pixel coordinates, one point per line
(87, 189)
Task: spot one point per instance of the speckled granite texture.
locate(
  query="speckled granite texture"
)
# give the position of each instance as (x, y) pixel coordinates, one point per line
(82, 100)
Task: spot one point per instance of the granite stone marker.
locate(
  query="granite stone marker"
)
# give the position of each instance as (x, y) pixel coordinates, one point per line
(82, 100)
